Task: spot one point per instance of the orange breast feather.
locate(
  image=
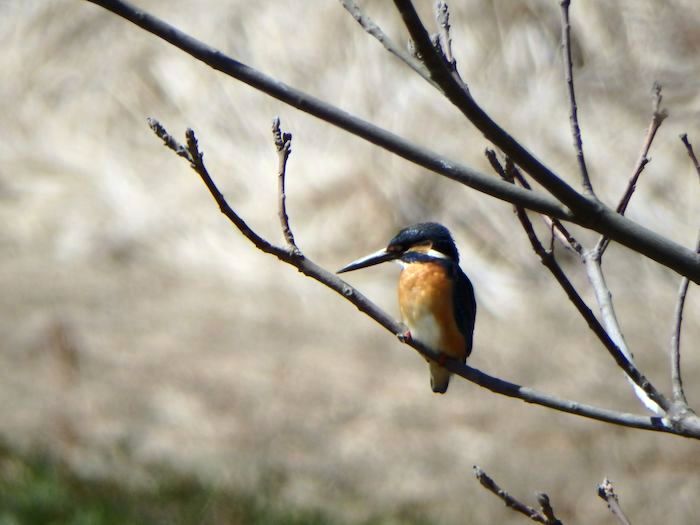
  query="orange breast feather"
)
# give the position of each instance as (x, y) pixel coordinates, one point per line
(427, 307)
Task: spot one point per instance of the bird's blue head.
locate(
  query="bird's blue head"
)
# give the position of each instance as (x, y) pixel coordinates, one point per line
(430, 238)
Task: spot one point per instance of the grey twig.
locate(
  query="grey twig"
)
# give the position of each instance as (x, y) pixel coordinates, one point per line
(283, 144)
(606, 492)
(546, 516)
(573, 115)
(687, 427)
(582, 210)
(374, 30)
(657, 117)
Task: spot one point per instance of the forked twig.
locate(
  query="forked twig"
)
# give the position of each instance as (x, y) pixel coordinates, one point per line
(573, 115)
(546, 515)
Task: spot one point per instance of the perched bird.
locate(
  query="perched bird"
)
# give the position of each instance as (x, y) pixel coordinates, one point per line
(436, 298)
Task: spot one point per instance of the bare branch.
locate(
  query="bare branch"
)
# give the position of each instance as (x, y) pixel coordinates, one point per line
(374, 30)
(688, 427)
(606, 492)
(691, 153)
(559, 230)
(283, 144)
(676, 378)
(645, 391)
(573, 115)
(546, 509)
(611, 337)
(547, 516)
(657, 117)
(586, 213)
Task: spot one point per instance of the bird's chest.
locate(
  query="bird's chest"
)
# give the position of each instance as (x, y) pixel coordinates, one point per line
(425, 301)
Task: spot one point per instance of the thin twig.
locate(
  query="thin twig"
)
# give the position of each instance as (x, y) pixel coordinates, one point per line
(688, 427)
(591, 215)
(513, 503)
(560, 231)
(283, 144)
(691, 153)
(374, 30)
(573, 115)
(606, 492)
(610, 336)
(676, 378)
(547, 510)
(657, 117)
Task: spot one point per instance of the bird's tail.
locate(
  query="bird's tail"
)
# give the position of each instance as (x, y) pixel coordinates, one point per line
(439, 378)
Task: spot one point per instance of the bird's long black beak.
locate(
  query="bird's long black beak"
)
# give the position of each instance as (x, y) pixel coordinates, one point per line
(370, 260)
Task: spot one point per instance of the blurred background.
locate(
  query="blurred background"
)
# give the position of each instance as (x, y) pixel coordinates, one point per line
(155, 367)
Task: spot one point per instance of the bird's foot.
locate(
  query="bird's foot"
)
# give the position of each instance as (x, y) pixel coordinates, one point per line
(405, 336)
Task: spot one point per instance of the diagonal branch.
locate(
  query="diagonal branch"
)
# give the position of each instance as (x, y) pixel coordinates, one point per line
(573, 116)
(606, 492)
(454, 90)
(691, 153)
(688, 427)
(609, 336)
(374, 30)
(546, 515)
(657, 117)
(601, 219)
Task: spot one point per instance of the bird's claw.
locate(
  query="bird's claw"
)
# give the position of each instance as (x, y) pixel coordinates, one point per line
(405, 336)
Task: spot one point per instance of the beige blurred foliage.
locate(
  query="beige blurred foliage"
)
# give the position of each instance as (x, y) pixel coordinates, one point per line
(138, 329)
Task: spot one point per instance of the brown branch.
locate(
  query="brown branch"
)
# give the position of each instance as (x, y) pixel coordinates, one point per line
(303, 264)
(691, 153)
(606, 492)
(676, 378)
(283, 144)
(573, 115)
(657, 117)
(546, 516)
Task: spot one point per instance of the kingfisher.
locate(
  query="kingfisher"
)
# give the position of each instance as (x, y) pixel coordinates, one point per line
(436, 298)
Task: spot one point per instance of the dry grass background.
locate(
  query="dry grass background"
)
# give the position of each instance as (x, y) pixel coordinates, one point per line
(139, 330)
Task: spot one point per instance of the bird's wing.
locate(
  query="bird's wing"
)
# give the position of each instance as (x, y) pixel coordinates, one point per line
(464, 307)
